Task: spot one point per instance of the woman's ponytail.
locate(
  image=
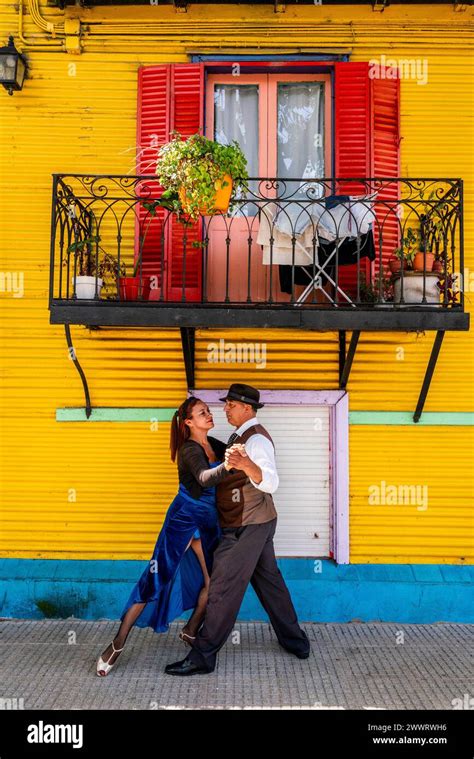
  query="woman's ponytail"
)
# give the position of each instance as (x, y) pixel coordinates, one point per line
(179, 432)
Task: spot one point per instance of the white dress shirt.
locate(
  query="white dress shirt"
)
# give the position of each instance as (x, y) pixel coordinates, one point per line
(260, 450)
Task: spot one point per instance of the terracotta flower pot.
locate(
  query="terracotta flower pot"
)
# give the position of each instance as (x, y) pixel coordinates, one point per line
(438, 266)
(394, 264)
(220, 202)
(130, 288)
(419, 261)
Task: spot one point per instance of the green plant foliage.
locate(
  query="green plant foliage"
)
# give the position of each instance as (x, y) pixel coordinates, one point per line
(198, 165)
(88, 264)
(410, 245)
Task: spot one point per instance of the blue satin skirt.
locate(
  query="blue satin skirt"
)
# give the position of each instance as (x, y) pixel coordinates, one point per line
(173, 578)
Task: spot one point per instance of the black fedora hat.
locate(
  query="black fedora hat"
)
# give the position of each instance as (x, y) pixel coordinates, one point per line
(244, 394)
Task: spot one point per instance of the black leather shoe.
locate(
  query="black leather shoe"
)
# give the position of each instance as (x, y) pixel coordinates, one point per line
(299, 654)
(304, 655)
(185, 668)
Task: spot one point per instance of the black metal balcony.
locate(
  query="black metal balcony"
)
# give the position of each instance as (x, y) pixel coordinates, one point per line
(309, 254)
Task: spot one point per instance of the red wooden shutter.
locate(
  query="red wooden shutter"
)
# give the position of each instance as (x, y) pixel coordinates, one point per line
(352, 128)
(367, 145)
(170, 96)
(385, 162)
(187, 116)
(153, 126)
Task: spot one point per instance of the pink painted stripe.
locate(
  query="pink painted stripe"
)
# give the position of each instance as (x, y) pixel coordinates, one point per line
(283, 397)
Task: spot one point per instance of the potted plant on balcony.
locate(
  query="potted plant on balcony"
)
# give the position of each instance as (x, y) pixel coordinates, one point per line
(423, 259)
(439, 262)
(200, 176)
(87, 268)
(378, 292)
(403, 256)
(420, 280)
(414, 282)
(138, 286)
(430, 236)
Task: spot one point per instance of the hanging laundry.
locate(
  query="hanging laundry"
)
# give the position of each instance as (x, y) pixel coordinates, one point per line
(347, 255)
(332, 200)
(303, 233)
(281, 252)
(345, 219)
(347, 249)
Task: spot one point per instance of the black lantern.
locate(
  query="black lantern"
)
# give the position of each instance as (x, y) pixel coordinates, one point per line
(12, 67)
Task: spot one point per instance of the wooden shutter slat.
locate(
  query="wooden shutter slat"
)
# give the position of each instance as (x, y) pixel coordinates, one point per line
(367, 145)
(153, 125)
(352, 144)
(385, 160)
(187, 117)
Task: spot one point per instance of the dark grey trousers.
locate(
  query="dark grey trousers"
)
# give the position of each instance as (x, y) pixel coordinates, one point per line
(246, 554)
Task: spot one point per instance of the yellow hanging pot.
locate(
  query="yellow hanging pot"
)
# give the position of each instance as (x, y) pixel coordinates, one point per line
(220, 201)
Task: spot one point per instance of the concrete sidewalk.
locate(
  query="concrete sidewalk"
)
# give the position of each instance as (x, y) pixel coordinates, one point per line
(50, 664)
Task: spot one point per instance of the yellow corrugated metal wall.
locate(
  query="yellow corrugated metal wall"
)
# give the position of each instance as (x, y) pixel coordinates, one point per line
(76, 490)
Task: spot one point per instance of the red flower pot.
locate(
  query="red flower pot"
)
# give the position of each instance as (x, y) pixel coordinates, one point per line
(394, 264)
(132, 289)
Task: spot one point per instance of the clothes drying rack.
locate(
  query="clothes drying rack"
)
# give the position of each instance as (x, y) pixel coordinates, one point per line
(315, 282)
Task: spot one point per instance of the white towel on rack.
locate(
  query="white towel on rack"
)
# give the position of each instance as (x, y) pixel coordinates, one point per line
(282, 250)
(348, 219)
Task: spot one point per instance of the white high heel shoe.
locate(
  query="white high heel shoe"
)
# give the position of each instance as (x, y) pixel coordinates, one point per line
(103, 667)
(186, 638)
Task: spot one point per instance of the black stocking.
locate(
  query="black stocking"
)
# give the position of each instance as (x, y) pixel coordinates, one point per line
(194, 623)
(126, 625)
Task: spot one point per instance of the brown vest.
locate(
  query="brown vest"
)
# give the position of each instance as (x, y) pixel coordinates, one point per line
(238, 501)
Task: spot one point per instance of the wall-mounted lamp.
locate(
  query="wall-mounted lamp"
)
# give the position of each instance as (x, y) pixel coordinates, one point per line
(12, 67)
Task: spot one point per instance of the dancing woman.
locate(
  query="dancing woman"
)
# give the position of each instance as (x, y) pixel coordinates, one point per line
(177, 579)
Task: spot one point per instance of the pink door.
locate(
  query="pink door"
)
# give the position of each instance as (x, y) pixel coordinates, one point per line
(283, 124)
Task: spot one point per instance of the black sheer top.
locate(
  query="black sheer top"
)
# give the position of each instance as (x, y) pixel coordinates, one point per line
(194, 470)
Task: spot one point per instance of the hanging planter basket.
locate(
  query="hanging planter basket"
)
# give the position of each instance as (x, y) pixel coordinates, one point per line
(220, 201)
(200, 176)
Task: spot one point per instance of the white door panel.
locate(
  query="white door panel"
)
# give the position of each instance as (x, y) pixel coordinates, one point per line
(301, 437)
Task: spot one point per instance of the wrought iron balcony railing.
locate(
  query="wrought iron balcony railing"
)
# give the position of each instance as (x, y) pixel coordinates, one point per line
(286, 247)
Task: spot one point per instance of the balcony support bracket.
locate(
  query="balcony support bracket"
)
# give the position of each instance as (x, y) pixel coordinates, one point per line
(428, 374)
(345, 362)
(73, 357)
(342, 351)
(188, 344)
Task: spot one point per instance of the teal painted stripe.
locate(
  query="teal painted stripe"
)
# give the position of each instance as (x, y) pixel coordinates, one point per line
(104, 414)
(322, 591)
(115, 414)
(428, 418)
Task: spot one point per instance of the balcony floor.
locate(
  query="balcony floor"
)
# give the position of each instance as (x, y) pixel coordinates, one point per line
(274, 316)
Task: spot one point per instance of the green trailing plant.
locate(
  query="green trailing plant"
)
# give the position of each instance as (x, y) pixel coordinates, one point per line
(197, 164)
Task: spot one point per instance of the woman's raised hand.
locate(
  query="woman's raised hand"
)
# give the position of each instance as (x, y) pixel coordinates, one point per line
(234, 455)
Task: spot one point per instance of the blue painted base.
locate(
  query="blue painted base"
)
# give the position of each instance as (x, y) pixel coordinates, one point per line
(321, 591)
